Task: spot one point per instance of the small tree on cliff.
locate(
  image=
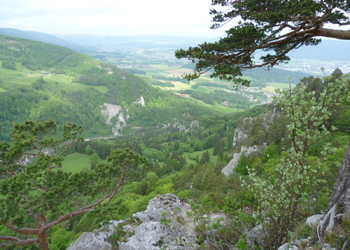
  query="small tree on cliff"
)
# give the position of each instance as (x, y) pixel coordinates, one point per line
(39, 195)
(265, 26)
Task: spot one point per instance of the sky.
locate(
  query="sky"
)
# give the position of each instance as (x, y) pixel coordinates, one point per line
(110, 17)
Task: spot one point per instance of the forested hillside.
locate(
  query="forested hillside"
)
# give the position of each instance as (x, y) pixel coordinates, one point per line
(41, 81)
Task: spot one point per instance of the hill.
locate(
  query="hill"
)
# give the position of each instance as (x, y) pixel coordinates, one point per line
(132, 42)
(41, 81)
(328, 49)
(41, 37)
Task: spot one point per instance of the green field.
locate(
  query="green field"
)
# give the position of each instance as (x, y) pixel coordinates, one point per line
(191, 156)
(23, 76)
(76, 162)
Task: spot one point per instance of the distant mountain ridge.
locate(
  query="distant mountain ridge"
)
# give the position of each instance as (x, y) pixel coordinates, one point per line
(328, 49)
(41, 37)
(139, 41)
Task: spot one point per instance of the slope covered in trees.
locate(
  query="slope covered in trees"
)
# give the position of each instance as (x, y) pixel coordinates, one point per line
(41, 81)
(186, 162)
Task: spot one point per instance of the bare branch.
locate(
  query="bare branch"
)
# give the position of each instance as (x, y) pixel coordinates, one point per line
(30, 231)
(17, 242)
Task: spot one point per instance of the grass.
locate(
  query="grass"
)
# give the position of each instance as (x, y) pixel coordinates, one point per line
(102, 89)
(10, 79)
(188, 156)
(76, 162)
(279, 85)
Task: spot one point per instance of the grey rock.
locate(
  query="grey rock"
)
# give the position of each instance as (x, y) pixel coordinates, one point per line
(256, 234)
(97, 239)
(164, 224)
(110, 111)
(228, 169)
(326, 246)
(314, 220)
(90, 241)
(242, 144)
(167, 223)
(288, 246)
(141, 101)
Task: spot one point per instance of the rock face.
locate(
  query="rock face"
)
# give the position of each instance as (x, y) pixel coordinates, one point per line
(339, 204)
(182, 126)
(228, 169)
(110, 111)
(141, 101)
(244, 142)
(97, 239)
(164, 225)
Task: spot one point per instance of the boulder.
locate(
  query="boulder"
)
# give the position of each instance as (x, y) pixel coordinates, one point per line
(314, 220)
(165, 224)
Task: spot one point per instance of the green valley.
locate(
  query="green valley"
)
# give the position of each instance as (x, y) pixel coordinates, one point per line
(89, 141)
(72, 87)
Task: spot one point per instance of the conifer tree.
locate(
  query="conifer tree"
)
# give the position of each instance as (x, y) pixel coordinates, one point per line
(268, 28)
(36, 194)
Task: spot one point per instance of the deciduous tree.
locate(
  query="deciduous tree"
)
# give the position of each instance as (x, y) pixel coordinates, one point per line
(285, 199)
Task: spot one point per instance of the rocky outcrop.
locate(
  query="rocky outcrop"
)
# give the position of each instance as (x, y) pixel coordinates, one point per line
(165, 224)
(141, 101)
(246, 141)
(115, 117)
(97, 239)
(182, 126)
(228, 169)
(339, 204)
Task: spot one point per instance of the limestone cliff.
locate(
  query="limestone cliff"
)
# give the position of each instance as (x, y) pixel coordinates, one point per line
(251, 136)
(115, 117)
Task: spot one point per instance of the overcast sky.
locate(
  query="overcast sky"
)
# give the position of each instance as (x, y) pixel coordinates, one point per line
(110, 17)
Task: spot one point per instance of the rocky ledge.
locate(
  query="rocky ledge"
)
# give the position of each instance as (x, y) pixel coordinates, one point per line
(166, 223)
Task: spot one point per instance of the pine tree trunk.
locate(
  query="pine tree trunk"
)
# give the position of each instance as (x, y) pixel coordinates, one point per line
(341, 191)
(42, 237)
(340, 199)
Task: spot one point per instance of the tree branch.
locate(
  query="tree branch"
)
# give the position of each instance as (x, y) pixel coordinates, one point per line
(30, 231)
(18, 242)
(338, 34)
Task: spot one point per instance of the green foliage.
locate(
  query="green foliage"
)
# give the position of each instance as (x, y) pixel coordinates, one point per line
(34, 55)
(242, 244)
(37, 195)
(282, 202)
(236, 100)
(8, 65)
(71, 87)
(60, 238)
(94, 160)
(76, 162)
